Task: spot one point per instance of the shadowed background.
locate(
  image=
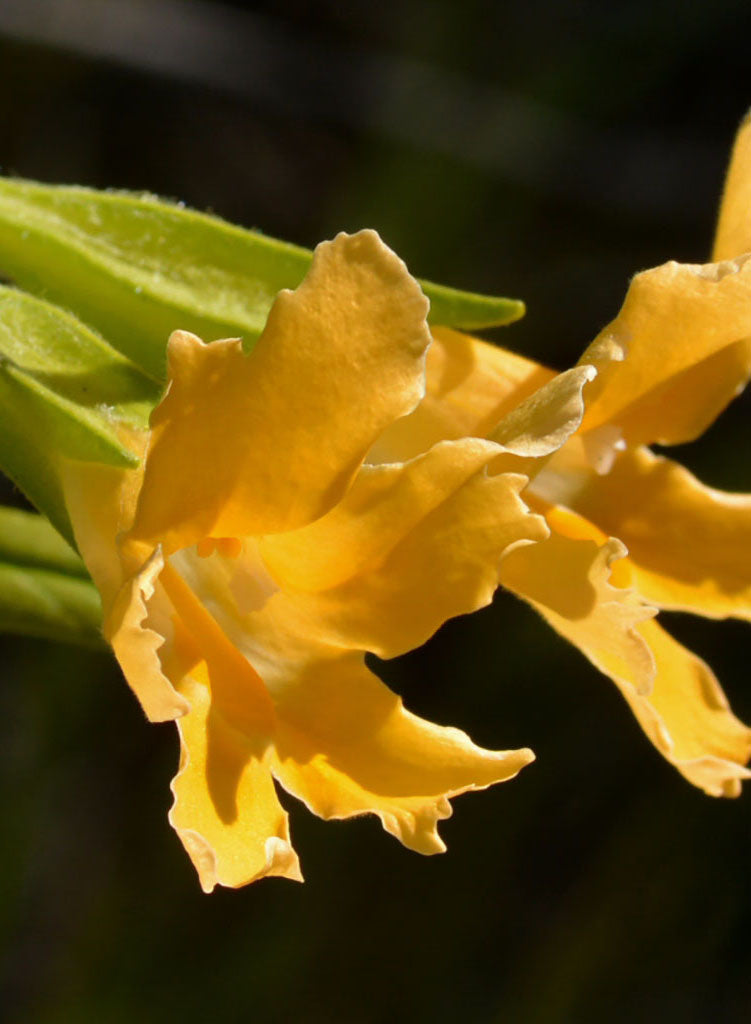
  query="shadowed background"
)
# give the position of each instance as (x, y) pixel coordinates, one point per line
(546, 151)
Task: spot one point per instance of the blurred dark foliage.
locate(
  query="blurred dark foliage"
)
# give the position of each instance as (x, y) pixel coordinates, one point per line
(543, 150)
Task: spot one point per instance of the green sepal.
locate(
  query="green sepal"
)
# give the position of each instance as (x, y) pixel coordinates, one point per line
(137, 267)
(44, 588)
(450, 307)
(64, 393)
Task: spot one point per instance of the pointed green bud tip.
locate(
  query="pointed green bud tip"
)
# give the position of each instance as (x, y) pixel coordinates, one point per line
(452, 308)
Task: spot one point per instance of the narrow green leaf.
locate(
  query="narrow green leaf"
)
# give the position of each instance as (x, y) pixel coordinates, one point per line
(137, 267)
(29, 540)
(452, 308)
(64, 392)
(44, 589)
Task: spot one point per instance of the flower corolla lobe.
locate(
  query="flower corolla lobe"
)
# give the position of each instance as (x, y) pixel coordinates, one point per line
(632, 532)
(255, 556)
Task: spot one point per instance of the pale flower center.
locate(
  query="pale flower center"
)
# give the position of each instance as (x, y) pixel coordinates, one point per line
(226, 572)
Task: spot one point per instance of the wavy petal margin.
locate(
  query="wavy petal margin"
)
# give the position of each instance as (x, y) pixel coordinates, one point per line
(470, 386)
(675, 355)
(245, 445)
(347, 746)
(689, 545)
(673, 693)
(411, 546)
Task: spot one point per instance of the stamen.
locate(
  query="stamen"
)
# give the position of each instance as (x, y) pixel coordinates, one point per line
(230, 547)
(205, 547)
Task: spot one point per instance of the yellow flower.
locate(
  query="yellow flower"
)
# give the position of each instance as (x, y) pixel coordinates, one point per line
(677, 353)
(256, 556)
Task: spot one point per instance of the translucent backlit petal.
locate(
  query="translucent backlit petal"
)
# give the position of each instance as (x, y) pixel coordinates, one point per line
(447, 567)
(385, 597)
(346, 746)
(575, 580)
(687, 717)
(226, 809)
(734, 223)
(676, 354)
(410, 546)
(470, 387)
(546, 419)
(384, 503)
(330, 731)
(255, 444)
(689, 545)
(580, 582)
(101, 501)
(137, 645)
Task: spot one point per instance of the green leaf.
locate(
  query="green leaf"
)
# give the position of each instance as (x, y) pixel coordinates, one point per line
(44, 589)
(450, 307)
(64, 392)
(137, 267)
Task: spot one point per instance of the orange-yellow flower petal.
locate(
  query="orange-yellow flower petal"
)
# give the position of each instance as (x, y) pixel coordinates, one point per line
(734, 223)
(574, 579)
(689, 545)
(346, 746)
(226, 810)
(688, 719)
(383, 505)
(474, 388)
(267, 442)
(545, 420)
(410, 546)
(327, 728)
(137, 643)
(673, 693)
(470, 387)
(101, 501)
(675, 355)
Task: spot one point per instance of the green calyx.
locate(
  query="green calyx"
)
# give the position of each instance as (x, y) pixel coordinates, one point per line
(65, 393)
(136, 268)
(106, 278)
(44, 588)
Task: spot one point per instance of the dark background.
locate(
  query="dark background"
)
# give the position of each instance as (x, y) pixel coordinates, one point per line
(542, 150)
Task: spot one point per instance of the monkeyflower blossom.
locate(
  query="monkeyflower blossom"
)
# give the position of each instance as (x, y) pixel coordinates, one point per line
(259, 551)
(632, 532)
